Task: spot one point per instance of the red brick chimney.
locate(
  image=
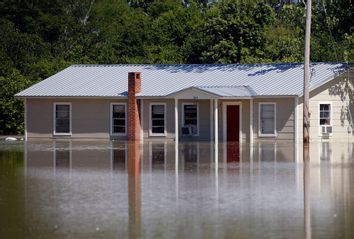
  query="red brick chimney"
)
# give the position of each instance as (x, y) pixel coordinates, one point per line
(134, 86)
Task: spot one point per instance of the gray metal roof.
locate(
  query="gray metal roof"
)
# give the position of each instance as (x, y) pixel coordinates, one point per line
(229, 91)
(162, 80)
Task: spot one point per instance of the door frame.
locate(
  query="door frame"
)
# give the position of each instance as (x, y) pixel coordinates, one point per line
(224, 109)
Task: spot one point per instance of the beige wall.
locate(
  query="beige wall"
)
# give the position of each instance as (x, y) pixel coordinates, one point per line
(90, 118)
(204, 119)
(285, 118)
(169, 118)
(340, 94)
(39, 116)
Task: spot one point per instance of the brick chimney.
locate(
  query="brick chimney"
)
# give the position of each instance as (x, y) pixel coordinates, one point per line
(134, 86)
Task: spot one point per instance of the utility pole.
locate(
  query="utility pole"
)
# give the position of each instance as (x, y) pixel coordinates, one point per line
(306, 112)
(306, 130)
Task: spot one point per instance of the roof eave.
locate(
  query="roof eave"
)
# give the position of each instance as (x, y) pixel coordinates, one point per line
(68, 97)
(175, 94)
(314, 87)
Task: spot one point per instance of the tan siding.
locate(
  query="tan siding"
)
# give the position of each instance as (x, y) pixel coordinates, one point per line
(90, 118)
(339, 92)
(245, 120)
(169, 120)
(284, 118)
(39, 118)
(204, 119)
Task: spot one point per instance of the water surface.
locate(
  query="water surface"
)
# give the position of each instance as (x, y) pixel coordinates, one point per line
(69, 189)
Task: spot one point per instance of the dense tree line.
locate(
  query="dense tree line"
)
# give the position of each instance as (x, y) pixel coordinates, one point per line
(39, 38)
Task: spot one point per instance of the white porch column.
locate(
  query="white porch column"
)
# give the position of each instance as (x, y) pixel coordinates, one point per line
(296, 128)
(141, 120)
(25, 119)
(176, 150)
(251, 122)
(176, 121)
(211, 120)
(176, 171)
(216, 138)
(216, 123)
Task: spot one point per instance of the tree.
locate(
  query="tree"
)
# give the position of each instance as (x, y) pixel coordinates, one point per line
(234, 31)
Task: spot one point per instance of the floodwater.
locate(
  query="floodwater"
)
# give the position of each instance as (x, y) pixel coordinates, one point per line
(69, 189)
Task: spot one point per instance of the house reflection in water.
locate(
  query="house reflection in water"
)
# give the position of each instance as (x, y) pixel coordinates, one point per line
(62, 156)
(119, 155)
(233, 152)
(113, 156)
(68, 156)
(133, 184)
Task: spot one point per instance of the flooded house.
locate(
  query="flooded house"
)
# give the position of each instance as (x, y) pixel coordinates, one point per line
(232, 102)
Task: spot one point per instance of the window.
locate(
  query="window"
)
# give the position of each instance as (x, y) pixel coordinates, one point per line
(267, 119)
(118, 113)
(325, 114)
(190, 119)
(62, 118)
(157, 118)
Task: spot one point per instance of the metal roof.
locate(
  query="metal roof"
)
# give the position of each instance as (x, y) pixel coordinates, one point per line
(229, 91)
(162, 80)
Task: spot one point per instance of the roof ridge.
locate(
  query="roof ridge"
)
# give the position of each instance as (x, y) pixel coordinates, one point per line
(206, 64)
(220, 86)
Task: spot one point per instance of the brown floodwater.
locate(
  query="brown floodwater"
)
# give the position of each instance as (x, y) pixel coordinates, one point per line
(99, 189)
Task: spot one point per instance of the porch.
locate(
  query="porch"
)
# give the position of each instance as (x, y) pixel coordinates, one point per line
(216, 114)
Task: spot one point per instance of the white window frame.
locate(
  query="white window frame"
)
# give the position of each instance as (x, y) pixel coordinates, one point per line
(330, 116)
(190, 103)
(260, 134)
(54, 118)
(150, 119)
(111, 119)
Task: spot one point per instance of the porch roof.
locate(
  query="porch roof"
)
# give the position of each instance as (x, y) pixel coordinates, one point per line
(210, 92)
(230, 91)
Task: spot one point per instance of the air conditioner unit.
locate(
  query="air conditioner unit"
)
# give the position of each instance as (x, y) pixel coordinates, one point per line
(326, 129)
(189, 129)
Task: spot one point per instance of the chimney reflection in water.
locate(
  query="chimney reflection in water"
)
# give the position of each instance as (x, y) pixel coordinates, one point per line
(134, 189)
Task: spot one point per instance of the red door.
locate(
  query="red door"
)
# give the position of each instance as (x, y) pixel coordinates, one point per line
(233, 133)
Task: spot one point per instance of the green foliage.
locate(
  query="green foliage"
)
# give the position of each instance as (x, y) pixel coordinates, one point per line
(11, 109)
(348, 44)
(235, 31)
(40, 38)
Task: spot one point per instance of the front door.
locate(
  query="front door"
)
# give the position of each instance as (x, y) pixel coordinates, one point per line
(233, 132)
